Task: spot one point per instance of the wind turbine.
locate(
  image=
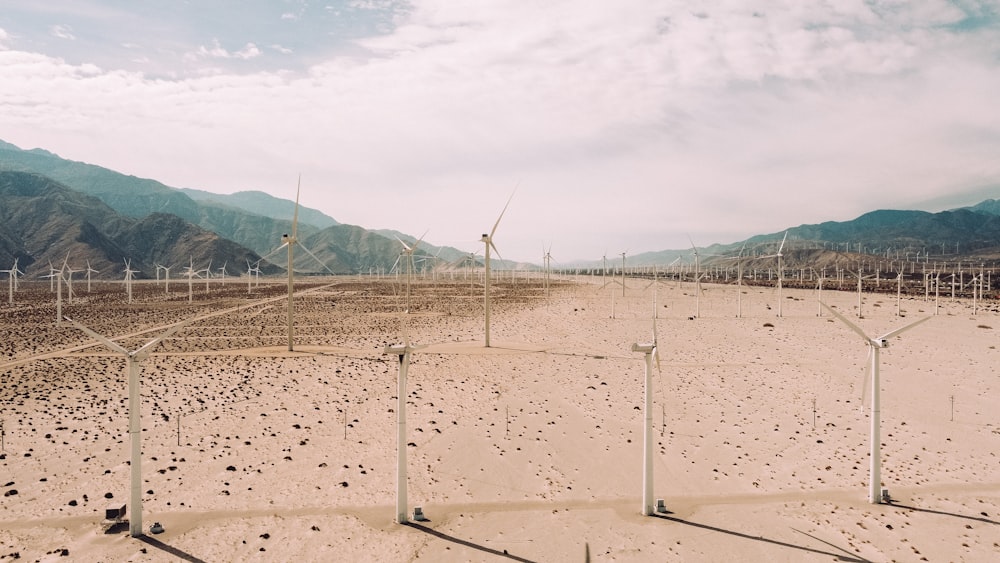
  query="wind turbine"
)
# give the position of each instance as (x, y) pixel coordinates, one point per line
(253, 273)
(860, 278)
(739, 281)
(781, 275)
(58, 275)
(11, 280)
(190, 273)
(89, 271)
(650, 351)
(697, 278)
(487, 240)
(623, 273)
(222, 272)
(208, 274)
(133, 361)
(69, 278)
(407, 257)
(403, 351)
(290, 241)
(129, 274)
(876, 344)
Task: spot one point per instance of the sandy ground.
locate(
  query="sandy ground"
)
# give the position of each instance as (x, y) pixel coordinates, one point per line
(529, 450)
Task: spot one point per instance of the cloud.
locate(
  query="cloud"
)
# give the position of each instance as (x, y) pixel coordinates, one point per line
(4, 39)
(62, 32)
(216, 51)
(626, 127)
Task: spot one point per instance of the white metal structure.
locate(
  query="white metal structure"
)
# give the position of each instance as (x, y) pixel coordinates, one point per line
(781, 274)
(89, 271)
(487, 240)
(650, 351)
(12, 274)
(133, 360)
(876, 344)
(403, 351)
(129, 274)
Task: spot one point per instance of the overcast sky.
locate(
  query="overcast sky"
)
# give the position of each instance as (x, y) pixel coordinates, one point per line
(626, 124)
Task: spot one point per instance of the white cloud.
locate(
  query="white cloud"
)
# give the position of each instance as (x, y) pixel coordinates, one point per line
(249, 51)
(627, 125)
(62, 32)
(216, 51)
(4, 39)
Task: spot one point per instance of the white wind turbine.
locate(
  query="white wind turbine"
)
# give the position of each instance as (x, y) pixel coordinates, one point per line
(69, 278)
(697, 278)
(290, 241)
(89, 271)
(222, 272)
(876, 344)
(12, 274)
(208, 274)
(487, 240)
(166, 278)
(129, 274)
(189, 272)
(860, 279)
(253, 272)
(739, 281)
(58, 275)
(650, 351)
(133, 361)
(781, 274)
(407, 257)
(403, 351)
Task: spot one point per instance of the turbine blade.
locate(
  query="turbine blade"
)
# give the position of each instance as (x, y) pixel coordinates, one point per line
(146, 348)
(495, 225)
(113, 345)
(309, 252)
(905, 328)
(844, 320)
(406, 246)
(419, 240)
(295, 215)
(780, 248)
(868, 378)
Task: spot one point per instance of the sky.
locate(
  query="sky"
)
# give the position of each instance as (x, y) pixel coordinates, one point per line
(618, 126)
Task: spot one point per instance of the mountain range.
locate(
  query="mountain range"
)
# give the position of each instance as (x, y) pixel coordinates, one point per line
(51, 207)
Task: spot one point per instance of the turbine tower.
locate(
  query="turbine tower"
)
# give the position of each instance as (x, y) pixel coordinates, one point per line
(290, 242)
(649, 350)
(133, 360)
(487, 239)
(403, 352)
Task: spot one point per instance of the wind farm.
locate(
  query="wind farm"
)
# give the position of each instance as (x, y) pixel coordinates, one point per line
(498, 447)
(762, 325)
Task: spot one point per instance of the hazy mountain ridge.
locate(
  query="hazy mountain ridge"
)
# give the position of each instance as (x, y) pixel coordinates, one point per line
(44, 221)
(352, 249)
(264, 204)
(976, 229)
(234, 217)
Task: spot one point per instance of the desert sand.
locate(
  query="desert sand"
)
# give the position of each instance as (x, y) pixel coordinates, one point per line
(530, 450)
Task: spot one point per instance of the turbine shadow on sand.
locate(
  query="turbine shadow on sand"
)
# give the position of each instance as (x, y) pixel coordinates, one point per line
(943, 513)
(467, 543)
(169, 549)
(837, 556)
